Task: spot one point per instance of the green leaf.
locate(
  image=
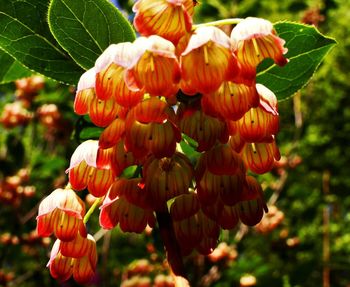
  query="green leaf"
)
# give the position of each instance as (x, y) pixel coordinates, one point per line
(11, 69)
(85, 28)
(25, 36)
(307, 48)
(189, 147)
(90, 133)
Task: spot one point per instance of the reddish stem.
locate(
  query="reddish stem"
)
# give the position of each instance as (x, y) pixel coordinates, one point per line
(171, 245)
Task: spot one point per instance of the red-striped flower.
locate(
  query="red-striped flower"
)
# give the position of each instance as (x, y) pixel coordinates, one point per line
(252, 206)
(101, 113)
(253, 40)
(166, 178)
(83, 170)
(85, 92)
(61, 213)
(204, 129)
(260, 157)
(151, 129)
(154, 67)
(66, 261)
(110, 70)
(207, 61)
(171, 19)
(262, 123)
(231, 101)
(126, 204)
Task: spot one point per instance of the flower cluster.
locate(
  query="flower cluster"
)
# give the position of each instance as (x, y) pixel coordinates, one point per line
(176, 81)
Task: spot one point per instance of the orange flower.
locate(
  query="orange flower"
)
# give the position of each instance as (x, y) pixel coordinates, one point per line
(112, 134)
(197, 231)
(207, 61)
(83, 170)
(184, 205)
(260, 157)
(231, 101)
(166, 178)
(126, 204)
(204, 129)
(154, 67)
(170, 19)
(110, 72)
(151, 128)
(261, 123)
(65, 261)
(61, 213)
(252, 206)
(85, 92)
(101, 113)
(253, 40)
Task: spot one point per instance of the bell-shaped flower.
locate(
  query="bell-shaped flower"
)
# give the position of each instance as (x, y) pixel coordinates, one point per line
(170, 19)
(101, 113)
(253, 40)
(77, 258)
(151, 129)
(85, 92)
(126, 204)
(229, 217)
(252, 205)
(184, 205)
(61, 213)
(220, 174)
(260, 157)
(262, 123)
(193, 230)
(207, 61)
(112, 134)
(110, 70)
(231, 100)
(120, 158)
(83, 171)
(154, 67)
(166, 178)
(204, 129)
(235, 141)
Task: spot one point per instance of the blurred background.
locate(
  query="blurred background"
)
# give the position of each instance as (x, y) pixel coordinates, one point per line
(303, 241)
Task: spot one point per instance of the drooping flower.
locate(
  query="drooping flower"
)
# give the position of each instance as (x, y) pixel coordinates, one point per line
(262, 123)
(101, 113)
(231, 101)
(151, 129)
(154, 67)
(170, 19)
(253, 40)
(196, 231)
(83, 171)
(110, 70)
(74, 258)
(260, 157)
(126, 204)
(207, 61)
(112, 134)
(204, 129)
(252, 206)
(166, 178)
(61, 213)
(184, 206)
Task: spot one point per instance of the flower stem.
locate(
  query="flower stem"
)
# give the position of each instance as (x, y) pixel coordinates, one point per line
(230, 21)
(171, 245)
(92, 209)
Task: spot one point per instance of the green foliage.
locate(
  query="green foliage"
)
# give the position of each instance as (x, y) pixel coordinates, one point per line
(24, 34)
(85, 28)
(307, 48)
(11, 69)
